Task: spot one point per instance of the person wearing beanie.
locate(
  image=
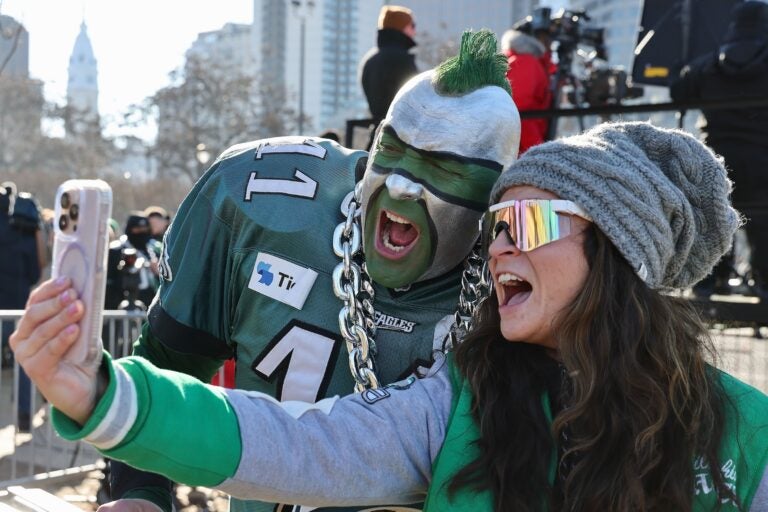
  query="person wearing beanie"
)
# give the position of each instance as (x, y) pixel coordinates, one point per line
(738, 69)
(386, 67)
(257, 263)
(583, 384)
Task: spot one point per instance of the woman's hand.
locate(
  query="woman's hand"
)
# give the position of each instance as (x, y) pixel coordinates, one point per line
(45, 332)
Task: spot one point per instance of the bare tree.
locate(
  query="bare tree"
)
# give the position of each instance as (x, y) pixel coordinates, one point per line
(207, 108)
(130, 195)
(38, 163)
(21, 109)
(433, 50)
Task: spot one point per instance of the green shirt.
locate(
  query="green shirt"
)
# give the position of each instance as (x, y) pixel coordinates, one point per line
(744, 451)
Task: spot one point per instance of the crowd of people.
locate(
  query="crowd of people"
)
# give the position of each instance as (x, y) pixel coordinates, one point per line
(579, 381)
(26, 248)
(133, 262)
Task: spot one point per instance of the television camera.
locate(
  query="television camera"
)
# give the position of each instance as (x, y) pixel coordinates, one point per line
(600, 84)
(567, 28)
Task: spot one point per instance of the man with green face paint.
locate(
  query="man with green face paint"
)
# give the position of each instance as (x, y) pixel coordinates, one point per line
(249, 271)
(436, 156)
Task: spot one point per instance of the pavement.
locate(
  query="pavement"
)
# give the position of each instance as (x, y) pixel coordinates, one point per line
(39, 451)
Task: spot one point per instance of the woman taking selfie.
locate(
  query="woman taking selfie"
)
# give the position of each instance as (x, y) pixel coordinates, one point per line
(584, 385)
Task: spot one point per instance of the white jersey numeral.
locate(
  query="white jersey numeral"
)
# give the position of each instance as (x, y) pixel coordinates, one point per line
(307, 147)
(307, 355)
(302, 186)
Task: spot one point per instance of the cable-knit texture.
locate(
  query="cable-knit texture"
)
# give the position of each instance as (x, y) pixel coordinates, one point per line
(660, 195)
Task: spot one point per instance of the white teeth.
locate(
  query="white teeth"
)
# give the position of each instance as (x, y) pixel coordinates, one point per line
(388, 244)
(395, 218)
(506, 278)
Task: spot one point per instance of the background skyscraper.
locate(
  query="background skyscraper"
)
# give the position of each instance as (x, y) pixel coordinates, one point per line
(445, 20)
(337, 33)
(14, 48)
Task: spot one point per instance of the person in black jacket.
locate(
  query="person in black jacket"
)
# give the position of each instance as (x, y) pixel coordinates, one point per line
(19, 272)
(738, 69)
(390, 64)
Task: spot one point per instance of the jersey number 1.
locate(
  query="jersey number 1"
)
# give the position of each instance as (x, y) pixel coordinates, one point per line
(300, 358)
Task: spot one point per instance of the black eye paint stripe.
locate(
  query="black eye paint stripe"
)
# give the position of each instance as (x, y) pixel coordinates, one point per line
(489, 164)
(449, 198)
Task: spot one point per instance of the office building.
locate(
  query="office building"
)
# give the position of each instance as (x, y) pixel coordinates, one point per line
(82, 85)
(14, 48)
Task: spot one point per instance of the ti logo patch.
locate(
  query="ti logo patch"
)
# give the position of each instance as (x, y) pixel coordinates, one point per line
(281, 280)
(263, 270)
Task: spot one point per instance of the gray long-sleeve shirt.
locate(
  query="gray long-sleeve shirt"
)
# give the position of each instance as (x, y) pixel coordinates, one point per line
(373, 448)
(368, 449)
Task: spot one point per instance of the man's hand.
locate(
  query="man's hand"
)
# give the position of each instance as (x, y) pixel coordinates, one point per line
(45, 332)
(130, 505)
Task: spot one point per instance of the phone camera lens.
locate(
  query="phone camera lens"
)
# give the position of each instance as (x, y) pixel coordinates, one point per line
(63, 222)
(74, 211)
(65, 200)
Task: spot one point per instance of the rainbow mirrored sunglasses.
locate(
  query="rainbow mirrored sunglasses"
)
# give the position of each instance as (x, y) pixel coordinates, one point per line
(529, 223)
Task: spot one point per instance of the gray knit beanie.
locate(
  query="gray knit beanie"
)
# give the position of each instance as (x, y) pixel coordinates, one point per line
(660, 195)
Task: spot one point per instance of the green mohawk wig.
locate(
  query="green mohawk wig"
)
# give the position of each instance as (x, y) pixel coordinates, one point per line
(464, 106)
(478, 64)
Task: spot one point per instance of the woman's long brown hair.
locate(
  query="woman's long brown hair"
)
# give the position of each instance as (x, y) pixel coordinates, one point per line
(640, 404)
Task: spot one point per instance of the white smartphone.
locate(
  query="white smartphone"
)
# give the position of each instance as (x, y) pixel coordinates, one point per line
(80, 247)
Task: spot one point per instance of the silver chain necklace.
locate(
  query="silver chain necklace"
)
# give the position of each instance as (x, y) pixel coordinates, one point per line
(476, 285)
(352, 285)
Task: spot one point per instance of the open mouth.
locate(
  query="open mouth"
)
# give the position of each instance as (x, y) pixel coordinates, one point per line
(512, 289)
(395, 235)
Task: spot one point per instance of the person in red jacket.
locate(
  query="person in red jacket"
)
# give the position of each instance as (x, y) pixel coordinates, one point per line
(528, 74)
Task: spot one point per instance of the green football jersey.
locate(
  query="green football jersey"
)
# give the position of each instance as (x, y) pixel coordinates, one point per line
(247, 268)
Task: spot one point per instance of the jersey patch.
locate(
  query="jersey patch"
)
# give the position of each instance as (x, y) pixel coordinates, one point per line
(282, 280)
(392, 323)
(372, 396)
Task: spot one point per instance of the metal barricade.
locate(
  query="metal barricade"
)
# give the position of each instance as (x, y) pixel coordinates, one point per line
(30, 452)
(743, 352)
